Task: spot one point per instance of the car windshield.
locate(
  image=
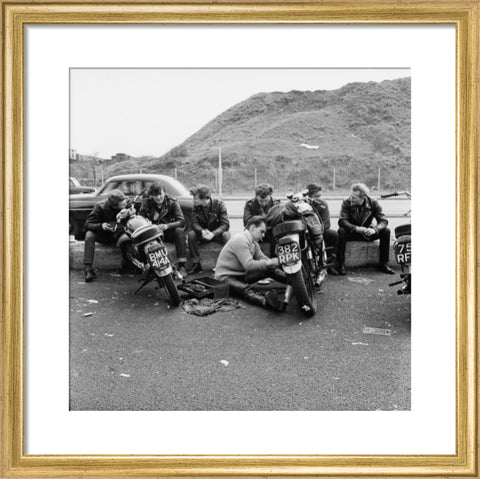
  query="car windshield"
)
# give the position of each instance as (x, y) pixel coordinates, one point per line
(134, 187)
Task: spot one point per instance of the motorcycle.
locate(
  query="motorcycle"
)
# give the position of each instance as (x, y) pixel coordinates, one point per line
(402, 249)
(297, 253)
(150, 253)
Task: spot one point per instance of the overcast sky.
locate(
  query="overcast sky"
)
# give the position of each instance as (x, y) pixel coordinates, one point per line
(149, 111)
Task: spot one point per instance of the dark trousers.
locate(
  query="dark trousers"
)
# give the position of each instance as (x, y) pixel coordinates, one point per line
(330, 237)
(238, 284)
(195, 239)
(344, 235)
(177, 236)
(103, 237)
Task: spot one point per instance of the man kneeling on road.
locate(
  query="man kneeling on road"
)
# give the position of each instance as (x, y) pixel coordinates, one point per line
(101, 226)
(242, 263)
(356, 224)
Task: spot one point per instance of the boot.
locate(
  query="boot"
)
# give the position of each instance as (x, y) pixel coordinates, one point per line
(255, 298)
(269, 301)
(89, 274)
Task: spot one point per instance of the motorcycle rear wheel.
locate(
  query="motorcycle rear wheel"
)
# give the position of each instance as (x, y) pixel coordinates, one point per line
(304, 291)
(168, 284)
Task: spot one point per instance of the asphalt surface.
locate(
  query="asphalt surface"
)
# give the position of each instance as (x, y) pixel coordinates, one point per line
(137, 353)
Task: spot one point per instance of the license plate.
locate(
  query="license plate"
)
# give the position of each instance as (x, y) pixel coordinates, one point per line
(159, 258)
(403, 253)
(288, 253)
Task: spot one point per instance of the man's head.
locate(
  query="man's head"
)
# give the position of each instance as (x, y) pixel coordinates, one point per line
(263, 193)
(257, 227)
(201, 195)
(156, 192)
(314, 191)
(358, 193)
(117, 199)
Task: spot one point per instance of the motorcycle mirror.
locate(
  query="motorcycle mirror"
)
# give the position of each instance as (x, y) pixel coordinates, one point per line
(289, 195)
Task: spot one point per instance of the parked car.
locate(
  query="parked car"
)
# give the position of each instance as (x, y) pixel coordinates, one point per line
(132, 185)
(75, 187)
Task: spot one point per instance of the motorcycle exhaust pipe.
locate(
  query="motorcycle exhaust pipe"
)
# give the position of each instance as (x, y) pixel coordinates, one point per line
(288, 295)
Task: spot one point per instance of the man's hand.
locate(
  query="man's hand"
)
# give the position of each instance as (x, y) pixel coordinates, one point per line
(106, 227)
(162, 227)
(369, 232)
(207, 235)
(360, 230)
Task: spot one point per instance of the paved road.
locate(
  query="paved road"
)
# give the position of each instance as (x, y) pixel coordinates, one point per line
(135, 353)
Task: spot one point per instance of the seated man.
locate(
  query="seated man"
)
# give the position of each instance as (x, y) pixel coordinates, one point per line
(356, 218)
(101, 227)
(164, 211)
(259, 205)
(242, 263)
(330, 236)
(209, 223)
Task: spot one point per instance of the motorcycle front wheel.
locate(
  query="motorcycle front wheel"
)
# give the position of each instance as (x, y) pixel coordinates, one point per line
(303, 288)
(168, 284)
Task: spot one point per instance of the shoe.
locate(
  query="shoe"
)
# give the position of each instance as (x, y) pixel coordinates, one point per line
(385, 268)
(196, 268)
(332, 271)
(341, 270)
(89, 275)
(182, 270)
(273, 302)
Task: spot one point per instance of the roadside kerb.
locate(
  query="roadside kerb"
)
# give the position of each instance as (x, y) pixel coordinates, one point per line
(358, 254)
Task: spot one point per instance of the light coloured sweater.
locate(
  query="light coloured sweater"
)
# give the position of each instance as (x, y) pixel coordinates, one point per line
(241, 255)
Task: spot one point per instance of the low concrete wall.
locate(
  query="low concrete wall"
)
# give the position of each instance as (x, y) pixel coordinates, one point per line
(358, 254)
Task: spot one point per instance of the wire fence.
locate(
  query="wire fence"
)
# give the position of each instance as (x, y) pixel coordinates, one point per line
(293, 176)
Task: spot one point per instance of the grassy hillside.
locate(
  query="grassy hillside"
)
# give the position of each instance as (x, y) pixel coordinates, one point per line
(357, 128)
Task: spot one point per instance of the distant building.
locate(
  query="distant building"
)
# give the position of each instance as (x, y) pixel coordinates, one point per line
(73, 154)
(121, 157)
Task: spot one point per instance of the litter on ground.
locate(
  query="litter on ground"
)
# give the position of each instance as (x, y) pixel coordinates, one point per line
(359, 344)
(360, 279)
(224, 362)
(123, 375)
(88, 314)
(379, 331)
(92, 301)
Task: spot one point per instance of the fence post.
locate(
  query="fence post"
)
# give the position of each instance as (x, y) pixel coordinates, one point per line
(220, 172)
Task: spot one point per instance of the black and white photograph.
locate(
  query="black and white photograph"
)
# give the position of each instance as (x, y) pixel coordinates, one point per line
(240, 239)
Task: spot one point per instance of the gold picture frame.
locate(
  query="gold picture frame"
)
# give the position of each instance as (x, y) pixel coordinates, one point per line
(16, 14)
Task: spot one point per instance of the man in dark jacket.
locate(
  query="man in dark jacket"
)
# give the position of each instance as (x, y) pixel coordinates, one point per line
(101, 227)
(330, 236)
(356, 224)
(164, 211)
(209, 223)
(261, 204)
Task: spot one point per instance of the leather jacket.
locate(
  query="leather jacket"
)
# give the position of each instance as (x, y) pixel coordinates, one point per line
(169, 212)
(254, 208)
(352, 216)
(213, 217)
